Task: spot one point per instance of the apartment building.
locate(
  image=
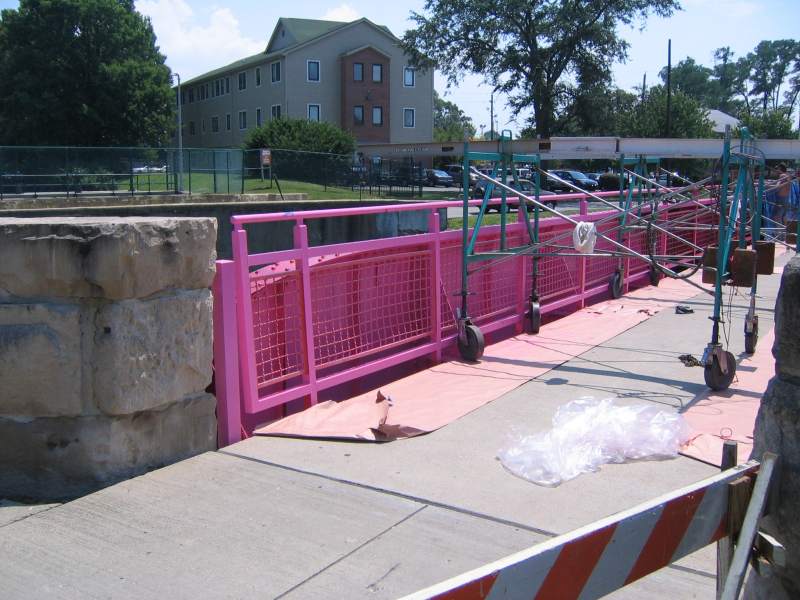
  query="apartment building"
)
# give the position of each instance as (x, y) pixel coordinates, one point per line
(354, 75)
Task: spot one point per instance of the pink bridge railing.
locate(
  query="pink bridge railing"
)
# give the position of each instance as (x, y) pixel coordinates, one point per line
(290, 324)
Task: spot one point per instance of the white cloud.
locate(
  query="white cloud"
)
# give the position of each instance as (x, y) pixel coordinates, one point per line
(194, 44)
(344, 12)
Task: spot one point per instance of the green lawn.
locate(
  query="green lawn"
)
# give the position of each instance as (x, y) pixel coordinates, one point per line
(494, 218)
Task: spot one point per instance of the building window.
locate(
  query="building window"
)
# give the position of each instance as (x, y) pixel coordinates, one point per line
(191, 95)
(201, 93)
(214, 124)
(208, 88)
(258, 117)
(409, 117)
(377, 73)
(202, 126)
(275, 71)
(313, 112)
(358, 115)
(377, 116)
(227, 85)
(191, 128)
(258, 76)
(409, 77)
(183, 97)
(275, 111)
(243, 81)
(358, 71)
(228, 122)
(242, 119)
(312, 67)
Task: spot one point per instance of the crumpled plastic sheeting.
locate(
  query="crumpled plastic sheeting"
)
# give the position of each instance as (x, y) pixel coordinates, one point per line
(588, 433)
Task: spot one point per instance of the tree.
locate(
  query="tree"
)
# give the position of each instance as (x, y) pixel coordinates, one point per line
(528, 50)
(770, 124)
(648, 118)
(82, 72)
(450, 124)
(299, 134)
(694, 80)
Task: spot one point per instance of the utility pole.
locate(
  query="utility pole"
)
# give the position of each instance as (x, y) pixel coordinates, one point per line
(644, 87)
(669, 89)
(491, 116)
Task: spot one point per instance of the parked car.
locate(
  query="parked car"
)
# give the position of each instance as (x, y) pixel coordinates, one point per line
(574, 177)
(593, 176)
(436, 177)
(526, 186)
(456, 171)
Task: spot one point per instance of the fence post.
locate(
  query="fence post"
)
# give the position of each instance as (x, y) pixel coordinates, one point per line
(310, 376)
(226, 356)
(214, 169)
(242, 173)
(189, 168)
(244, 321)
(130, 169)
(435, 284)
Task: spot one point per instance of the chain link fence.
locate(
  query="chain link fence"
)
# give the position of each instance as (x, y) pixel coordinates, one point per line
(50, 171)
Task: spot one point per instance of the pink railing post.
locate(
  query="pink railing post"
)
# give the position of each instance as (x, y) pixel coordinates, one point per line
(436, 285)
(244, 320)
(226, 356)
(310, 374)
(584, 206)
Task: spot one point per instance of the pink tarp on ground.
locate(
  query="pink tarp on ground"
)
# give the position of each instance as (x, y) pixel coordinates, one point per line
(430, 399)
(731, 415)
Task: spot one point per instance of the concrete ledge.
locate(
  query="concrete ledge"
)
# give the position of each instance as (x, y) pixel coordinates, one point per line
(105, 257)
(122, 199)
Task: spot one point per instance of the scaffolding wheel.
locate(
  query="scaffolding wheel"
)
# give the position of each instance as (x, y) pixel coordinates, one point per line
(655, 276)
(471, 347)
(615, 285)
(751, 337)
(534, 318)
(713, 374)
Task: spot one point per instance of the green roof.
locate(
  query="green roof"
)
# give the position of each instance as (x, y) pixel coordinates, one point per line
(302, 30)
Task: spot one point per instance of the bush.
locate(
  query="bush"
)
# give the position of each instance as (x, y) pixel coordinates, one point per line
(299, 134)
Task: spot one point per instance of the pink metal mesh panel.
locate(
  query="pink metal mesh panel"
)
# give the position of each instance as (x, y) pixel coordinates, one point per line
(369, 303)
(277, 325)
(600, 269)
(557, 275)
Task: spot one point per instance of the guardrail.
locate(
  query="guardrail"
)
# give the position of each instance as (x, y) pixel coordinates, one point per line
(290, 324)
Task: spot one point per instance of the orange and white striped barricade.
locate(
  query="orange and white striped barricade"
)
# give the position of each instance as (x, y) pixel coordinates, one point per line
(606, 555)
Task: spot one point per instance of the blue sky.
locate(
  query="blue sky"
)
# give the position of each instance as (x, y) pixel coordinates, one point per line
(197, 35)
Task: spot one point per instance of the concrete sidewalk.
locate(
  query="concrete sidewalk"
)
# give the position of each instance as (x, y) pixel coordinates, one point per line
(274, 518)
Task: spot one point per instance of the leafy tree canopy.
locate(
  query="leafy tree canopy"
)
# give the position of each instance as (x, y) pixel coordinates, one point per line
(82, 73)
(299, 134)
(649, 117)
(449, 121)
(537, 53)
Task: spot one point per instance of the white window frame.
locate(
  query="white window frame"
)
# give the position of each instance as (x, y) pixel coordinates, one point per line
(272, 115)
(372, 117)
(239, 78)
(372, 73)
(242, 112)
(259, 117)
(319, 112)
(413, 72)
(277, 62)
(319, 70)
(362, 71)
(413, 117)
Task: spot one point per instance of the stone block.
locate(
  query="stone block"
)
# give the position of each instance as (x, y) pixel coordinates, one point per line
(40, 360)
(149, 352)
(787, 324)
(105, 257)
(61, 458)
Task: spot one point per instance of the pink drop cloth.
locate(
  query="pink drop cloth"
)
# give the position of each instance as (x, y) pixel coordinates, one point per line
(430, 399)
(731, 415)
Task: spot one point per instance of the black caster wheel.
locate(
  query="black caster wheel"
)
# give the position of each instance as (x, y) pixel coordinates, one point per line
(655, 276)
(534, 318)
(751, 338)
(472, 350)
(615, 285)
(715, 378)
